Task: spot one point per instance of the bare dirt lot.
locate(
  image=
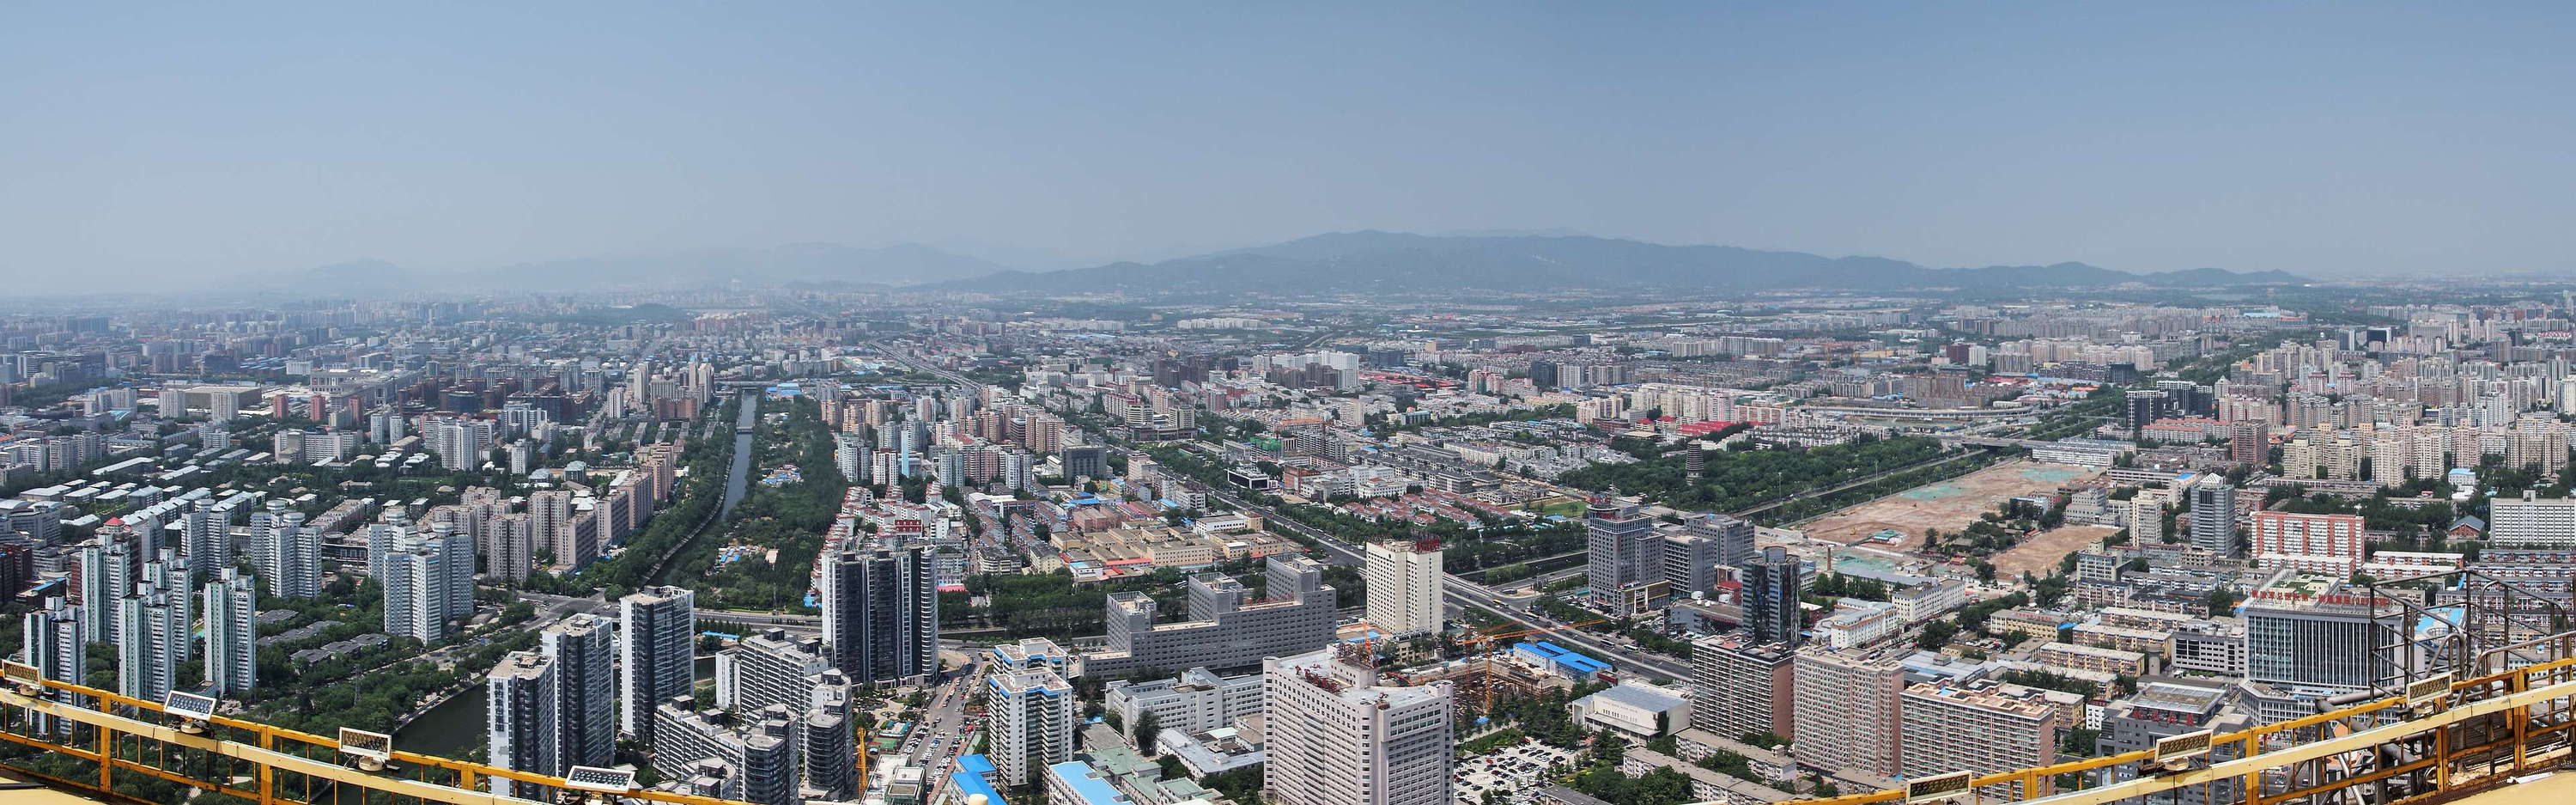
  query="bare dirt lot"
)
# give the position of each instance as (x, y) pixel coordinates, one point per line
(1947, 505)
(2043, 552)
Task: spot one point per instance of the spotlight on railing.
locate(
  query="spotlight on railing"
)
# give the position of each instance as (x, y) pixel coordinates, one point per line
(1939, 787)
(27, 680)
(193, 710)
(2423, 696)
(597, 785)
(368, 751)
(2174, 753)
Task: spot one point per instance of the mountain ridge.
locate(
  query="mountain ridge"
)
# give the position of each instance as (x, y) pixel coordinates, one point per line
(1391, 261)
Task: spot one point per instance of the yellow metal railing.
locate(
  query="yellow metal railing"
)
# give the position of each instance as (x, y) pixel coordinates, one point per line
(2485, 730)
(122, 739)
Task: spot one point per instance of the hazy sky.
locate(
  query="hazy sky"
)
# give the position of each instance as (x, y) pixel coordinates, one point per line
(215, 138)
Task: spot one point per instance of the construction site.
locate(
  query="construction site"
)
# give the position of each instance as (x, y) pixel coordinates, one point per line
(1896, 521)
(1499, 665)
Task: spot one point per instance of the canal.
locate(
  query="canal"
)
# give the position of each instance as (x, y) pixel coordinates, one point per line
(455, 726)
(738, 478)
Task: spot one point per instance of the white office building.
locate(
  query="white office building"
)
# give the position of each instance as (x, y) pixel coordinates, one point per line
(1336, 737)
(1404, 588)
(1196, 701)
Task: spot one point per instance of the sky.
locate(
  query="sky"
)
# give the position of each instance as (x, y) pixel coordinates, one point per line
(172, 144)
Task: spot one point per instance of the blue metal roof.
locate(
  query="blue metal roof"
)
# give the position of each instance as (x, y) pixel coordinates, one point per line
(1087, 788)
(971, 780)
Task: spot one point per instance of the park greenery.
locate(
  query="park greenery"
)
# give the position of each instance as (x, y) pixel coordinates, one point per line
(790, 519)
(1736, 480)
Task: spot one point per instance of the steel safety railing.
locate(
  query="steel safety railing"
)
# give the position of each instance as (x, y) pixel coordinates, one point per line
(122, 749)
(2477, 734)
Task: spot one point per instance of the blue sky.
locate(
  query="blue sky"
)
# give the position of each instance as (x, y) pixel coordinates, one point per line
(2329, 139)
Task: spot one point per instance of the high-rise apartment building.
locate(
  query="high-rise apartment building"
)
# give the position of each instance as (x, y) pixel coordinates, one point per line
(414, 604)
(770, 668)
(550, 514)
(384, 535)
(2531, 521)
(1979, 726)
(2249, 443)
(522, 716)
(205, 539)
(750, 757)
(2328, 543)
(232, 632)
(509, 552)
(1034, 716)
(1404, 587)
(1734, 537)
(1742, 687)
(263, 530)
(881, 614)
(581, 650)
(2144, 406)
(99, 578)
(1696, 558)
(292, 562)
(151, 640)
(2213, 514)
(1847, 711)
(657, 633)
(2166, 708)
(52, 643)
(2146, 519)
(1337, 737)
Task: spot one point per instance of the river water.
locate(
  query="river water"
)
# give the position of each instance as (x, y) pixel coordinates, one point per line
(455, 726)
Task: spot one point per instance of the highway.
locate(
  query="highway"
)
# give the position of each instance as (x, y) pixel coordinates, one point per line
(1457, 591)
(1466, 594)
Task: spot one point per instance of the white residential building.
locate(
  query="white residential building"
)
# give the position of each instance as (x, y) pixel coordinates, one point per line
(1034, 716)
(232, 632)
(2531, 522)
(657, 633)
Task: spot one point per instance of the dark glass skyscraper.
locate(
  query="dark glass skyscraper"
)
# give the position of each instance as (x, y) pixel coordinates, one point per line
(1773, 583)
(881, 614)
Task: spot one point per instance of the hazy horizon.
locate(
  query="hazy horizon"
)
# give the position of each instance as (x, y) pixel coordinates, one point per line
(191, 144)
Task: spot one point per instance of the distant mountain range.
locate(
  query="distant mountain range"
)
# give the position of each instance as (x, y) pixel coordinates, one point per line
(1347, 262)
(1342, 262)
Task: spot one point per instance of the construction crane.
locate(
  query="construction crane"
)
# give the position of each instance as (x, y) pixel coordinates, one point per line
(1485, 643)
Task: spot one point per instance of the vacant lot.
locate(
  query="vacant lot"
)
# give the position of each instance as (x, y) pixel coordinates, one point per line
(1947, 505)
(2042, 553)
